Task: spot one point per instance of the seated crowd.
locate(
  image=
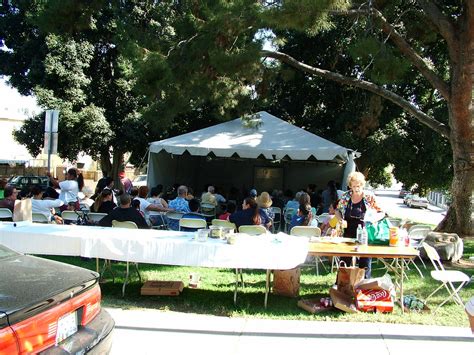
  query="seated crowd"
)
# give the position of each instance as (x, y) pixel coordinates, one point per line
(148, 208)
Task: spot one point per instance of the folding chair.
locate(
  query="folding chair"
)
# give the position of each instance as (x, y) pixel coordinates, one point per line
(71, 216)
(417, 238)
(95, 217)
(446, 277)
(5, 213)
(276, 220)
(395, 222)
(173, 217)
(39, 218)
(288, 214)
(194, 223)
(208, 210)
(308, 231)
(130, 225)
(222, 223)
(253, 229)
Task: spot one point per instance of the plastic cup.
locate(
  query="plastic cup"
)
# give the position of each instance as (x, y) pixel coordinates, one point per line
(202, 235)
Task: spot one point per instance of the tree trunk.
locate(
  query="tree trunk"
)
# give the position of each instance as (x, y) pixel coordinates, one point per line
(461, 118)
(117, 166)
(105, 164)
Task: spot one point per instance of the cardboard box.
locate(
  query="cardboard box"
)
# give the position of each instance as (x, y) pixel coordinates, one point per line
(342, 301)
(313, 304)
(374, 300)
(162, 288)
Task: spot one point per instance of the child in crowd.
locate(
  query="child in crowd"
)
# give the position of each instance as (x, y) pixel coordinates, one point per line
(228, 210)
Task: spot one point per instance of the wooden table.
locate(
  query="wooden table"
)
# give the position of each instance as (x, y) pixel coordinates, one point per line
(398, 254)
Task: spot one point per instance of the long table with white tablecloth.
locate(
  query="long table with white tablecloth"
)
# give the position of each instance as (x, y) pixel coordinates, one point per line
(155, 246)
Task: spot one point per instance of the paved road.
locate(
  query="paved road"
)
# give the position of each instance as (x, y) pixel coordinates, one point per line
(394, 206)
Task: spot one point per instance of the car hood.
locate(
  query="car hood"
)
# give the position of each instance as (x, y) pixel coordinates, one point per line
(30, 284)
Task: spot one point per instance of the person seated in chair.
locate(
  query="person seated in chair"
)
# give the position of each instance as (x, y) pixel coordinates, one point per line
(194, 207)
(304, 217)
(124, 213)
(10, 196)
(250, 215)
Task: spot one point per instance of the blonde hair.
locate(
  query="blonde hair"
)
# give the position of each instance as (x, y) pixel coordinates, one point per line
(355, 176)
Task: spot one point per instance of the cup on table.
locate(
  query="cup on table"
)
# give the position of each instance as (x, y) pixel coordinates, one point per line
(194, 279)
(202, 235)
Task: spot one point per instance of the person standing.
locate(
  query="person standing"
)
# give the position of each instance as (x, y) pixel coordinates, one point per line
(352, 208)
(69, 188)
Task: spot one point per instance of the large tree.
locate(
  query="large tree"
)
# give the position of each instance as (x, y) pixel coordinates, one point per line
(71, 56)
(433, 39)
(406, 27)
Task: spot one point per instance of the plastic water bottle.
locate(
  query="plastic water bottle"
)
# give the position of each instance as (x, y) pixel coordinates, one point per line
(365, 237)
(359, 233)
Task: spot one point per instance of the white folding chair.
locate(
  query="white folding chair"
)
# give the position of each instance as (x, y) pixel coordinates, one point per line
(277, 219)
(308, 231)
(70, 216)
(446, 277)
(223, 223)
(253, 229)
(395, 222)
(39, 218)
(129, 225)
(5, 213)
(417, 238)
(194, 223)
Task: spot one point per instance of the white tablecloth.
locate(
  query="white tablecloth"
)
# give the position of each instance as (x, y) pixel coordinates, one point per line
(156, 247)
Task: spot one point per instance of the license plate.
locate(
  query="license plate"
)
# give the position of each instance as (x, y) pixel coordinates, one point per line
(67, 326)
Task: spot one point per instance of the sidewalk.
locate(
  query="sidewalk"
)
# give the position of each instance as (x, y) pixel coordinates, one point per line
(160, 332)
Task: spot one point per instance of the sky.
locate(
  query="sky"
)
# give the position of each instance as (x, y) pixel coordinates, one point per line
(14, 105)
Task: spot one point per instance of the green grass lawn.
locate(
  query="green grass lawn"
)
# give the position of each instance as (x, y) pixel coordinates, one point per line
(215, 294)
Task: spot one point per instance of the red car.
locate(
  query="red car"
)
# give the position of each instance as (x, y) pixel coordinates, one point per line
(50, 307)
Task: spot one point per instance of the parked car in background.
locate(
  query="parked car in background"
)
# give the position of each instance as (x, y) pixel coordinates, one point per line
(140, 180)
(403, 192)
(417, 201)
(407, 198)
(52, 307)
(25, 181)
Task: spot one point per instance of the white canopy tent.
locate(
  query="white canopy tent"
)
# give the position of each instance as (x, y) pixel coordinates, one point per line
(259, 151)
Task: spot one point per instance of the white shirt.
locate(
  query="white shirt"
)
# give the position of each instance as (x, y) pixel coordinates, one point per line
(156, 202)
(69, 191)
(143, 207)
(44, 206)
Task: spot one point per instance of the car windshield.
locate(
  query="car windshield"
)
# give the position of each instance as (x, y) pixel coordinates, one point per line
(15, 179)
(140, 178)
(5, 252)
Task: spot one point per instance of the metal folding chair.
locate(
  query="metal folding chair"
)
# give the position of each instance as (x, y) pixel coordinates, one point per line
(276, 220)
(130, 225)
(222, 223)
(447, 277)
(308, 231)
(288, 214)
(194, 223)
(5, 213)
(253, 229)
(39, 218)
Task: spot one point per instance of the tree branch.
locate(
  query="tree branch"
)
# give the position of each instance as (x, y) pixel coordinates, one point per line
(422, 65)
(442, 23)
(404, 47)
(407, 106)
